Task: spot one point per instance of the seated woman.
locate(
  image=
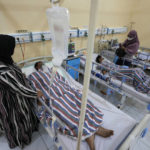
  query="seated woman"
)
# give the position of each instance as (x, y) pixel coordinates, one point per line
(128, 49)
(141, 81)
(17, 117)
(65, 102)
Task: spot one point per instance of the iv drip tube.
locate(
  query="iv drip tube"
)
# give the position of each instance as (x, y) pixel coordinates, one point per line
(90, 47)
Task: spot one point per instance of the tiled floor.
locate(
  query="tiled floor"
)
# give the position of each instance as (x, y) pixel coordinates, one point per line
(42, 141)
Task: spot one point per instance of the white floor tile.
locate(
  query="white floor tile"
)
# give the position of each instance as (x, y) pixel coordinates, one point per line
(4, 145)
(46, 138)
(37, 143)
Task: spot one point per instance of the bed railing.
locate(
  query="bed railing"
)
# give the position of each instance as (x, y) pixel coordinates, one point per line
(134, 61)
(118, 88)
(139, 131)
(33, 60)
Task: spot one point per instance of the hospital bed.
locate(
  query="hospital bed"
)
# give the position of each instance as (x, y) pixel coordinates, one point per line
(83, 59)
(143, 56)
(141, 60)
(121, 85)
(115, 119)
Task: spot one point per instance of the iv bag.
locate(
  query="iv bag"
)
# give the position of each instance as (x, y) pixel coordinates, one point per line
(58, 20)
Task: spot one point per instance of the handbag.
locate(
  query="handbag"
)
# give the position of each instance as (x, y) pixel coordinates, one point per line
(120, 52)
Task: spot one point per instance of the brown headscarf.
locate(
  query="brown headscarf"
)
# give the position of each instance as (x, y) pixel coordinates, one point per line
(132, 45)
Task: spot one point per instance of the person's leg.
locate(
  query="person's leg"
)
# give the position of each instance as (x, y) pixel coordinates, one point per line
(104, 132)
(119, 62)
(127, 63)
(90, 141)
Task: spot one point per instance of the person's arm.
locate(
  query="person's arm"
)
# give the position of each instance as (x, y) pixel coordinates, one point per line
(16, 86)
(132, 49)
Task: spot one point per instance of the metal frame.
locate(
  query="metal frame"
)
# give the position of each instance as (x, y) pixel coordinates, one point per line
(137, 62)
(108, 84)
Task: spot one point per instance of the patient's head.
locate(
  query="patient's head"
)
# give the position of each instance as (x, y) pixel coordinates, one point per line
(104, 71)
(99, 59)
(38, 65)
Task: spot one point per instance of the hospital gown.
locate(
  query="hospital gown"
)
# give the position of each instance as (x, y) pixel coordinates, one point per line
(65, 102)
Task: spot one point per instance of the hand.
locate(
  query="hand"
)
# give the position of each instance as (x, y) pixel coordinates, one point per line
(123, 48)
(39, 94)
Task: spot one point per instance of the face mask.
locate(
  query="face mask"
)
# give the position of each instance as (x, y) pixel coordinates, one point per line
(129, 39)
(45, 68)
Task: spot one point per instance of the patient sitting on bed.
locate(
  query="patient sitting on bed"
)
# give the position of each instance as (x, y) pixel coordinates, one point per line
(65, 102)
(141, 81)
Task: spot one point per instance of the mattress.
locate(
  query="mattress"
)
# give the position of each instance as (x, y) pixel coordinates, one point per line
(113, 119)
(131, 90)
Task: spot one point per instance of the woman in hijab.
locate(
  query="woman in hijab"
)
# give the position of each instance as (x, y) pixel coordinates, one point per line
(130, 47)
(17, 116)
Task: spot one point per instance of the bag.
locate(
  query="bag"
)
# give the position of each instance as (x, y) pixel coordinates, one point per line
(120, 52)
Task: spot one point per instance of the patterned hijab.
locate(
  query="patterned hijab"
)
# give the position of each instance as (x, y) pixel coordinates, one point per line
(7, 45)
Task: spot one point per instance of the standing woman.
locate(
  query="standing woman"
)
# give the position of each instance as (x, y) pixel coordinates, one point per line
(17, 117)
(130, 47)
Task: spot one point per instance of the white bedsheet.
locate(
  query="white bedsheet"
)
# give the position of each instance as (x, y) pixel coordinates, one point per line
(82, 62)
(131, 90)
(114, 119)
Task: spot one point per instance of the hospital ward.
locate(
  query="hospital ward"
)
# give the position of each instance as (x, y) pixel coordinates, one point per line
(74, 75)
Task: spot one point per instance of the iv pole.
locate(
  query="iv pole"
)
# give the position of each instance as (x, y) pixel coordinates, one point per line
(90, 47)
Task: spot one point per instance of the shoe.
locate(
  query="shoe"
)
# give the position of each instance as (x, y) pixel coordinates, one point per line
(104, 93)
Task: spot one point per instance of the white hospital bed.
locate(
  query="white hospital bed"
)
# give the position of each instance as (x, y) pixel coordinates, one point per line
(141, 60)
(143, 56)
(129, 90)
(121, 123)
(83, 59)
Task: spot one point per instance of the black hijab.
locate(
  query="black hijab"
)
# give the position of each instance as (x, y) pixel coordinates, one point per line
(7, 45)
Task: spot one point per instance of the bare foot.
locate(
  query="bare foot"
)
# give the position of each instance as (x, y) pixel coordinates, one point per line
(104, 132)
(39, 94)
(90, 141)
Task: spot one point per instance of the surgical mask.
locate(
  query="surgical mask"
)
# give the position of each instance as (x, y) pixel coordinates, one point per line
(45, 68)
(129, 39)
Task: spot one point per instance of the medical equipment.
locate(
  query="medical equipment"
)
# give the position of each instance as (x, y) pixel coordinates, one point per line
(58, 20)
(71, 48)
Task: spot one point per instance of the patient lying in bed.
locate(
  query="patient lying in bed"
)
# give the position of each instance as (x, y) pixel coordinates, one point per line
(65, 102)
(141, 81)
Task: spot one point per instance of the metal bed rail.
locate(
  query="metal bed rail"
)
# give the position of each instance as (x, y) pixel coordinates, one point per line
(134, 61)
(119, 88)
